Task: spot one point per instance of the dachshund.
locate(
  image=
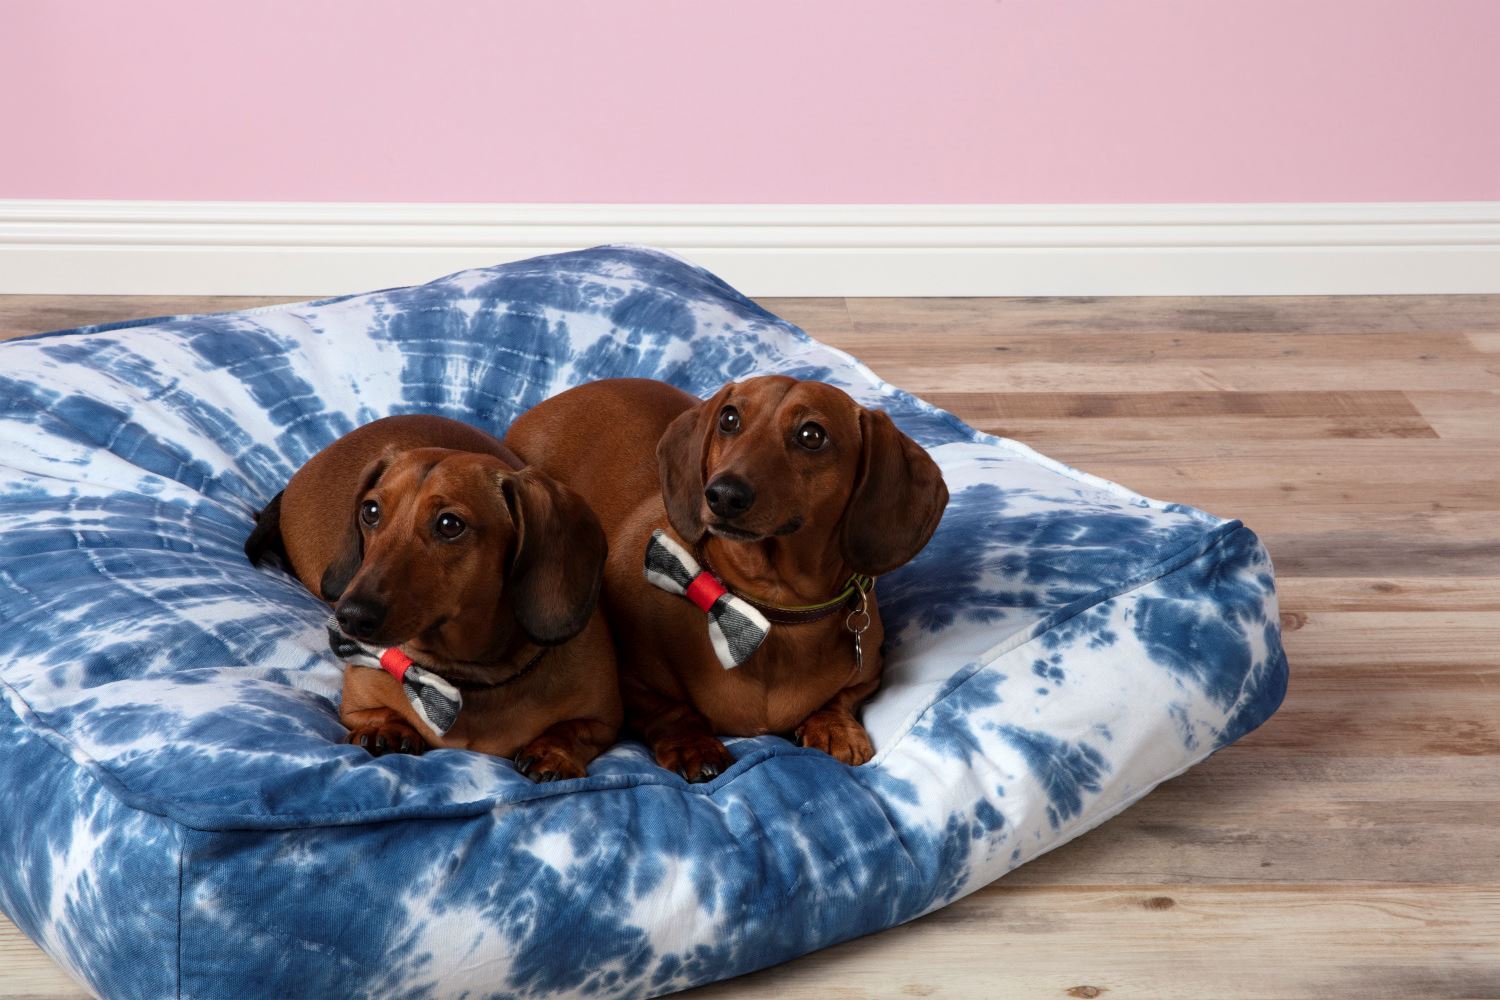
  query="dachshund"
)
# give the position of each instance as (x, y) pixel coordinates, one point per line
(782, 494)
(427, 536)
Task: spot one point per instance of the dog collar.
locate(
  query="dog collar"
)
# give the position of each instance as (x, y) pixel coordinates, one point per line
(737, 624)
(436, 701)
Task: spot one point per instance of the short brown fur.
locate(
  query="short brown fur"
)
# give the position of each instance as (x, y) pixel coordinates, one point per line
(642, 453)
(524, 577)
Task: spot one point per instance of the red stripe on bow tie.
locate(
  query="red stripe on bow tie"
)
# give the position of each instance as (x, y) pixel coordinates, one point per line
(395, 663)
(704, 591)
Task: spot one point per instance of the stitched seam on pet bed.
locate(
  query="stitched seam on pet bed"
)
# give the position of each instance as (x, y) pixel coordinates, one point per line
(182, 836)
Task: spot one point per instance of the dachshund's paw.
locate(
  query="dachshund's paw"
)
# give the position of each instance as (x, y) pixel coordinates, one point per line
(696, 757)
(838, 735)
(388, 737)
(544, 760)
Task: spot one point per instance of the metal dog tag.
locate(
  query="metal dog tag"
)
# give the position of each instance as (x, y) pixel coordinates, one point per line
(857, 622)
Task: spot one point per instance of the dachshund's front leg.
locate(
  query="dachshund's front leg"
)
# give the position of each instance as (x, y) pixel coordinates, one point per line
(382, 731)
(679, 737)
(365, 710)
(564, 750)
(836, 731)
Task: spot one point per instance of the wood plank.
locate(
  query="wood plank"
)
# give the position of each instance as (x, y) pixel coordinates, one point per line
(1382, 462)
(928, 376)
(1044, 434)
(1380, 555)
(1388, 684)
(1470, 313)
(1473, 416)
(1290, 519)
(1254, 508)
(1419, 349)
(1404, 640)
(1174, 405)
(1461, 455)
(1424, 716)
(1046, 417)
(28, 974)
(1407, 593)
(1384, 547)
(1111, 316)
(1247, 816)
(1284, 942)
(1248, 478)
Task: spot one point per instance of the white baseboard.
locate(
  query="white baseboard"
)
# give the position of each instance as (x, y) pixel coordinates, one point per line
(281, 248)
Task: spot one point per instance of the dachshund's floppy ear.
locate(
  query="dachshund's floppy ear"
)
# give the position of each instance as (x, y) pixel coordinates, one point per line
(265, 541)
(898, 499)
(351, 550)
(559, 559)
(679, 460)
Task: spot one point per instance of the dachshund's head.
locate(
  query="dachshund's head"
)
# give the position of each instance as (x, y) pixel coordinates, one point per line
(774, 457)
(455, 555)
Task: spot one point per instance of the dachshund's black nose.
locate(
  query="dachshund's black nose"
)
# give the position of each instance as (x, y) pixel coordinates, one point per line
(360, 617)
(729, 496)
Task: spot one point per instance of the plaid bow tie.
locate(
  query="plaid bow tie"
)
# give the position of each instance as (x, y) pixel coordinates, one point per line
(734, 627)
(435, 701)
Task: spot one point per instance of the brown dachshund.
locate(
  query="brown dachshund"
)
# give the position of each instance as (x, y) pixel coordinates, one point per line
(423, 535)
(793, 495)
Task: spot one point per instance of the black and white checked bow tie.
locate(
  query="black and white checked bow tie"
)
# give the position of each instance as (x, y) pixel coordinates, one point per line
(734, 627)
(435, 701)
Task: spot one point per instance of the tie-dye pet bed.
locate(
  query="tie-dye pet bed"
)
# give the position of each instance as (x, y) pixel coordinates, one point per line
(182, 816)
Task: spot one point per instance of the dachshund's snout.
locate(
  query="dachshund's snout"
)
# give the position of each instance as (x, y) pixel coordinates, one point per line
(729, 496)
(360, 617)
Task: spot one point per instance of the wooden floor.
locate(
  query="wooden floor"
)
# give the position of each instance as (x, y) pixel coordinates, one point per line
(1351, 847)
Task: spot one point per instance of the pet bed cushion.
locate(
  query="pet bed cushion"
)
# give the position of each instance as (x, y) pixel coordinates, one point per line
(183, 817)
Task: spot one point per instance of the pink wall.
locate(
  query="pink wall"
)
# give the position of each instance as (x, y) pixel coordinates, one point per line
(770, 101)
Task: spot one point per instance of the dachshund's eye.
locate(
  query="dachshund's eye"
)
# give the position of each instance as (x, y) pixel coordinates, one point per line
(369, 512)
(729, 420)
(812, 436)
(450, 525)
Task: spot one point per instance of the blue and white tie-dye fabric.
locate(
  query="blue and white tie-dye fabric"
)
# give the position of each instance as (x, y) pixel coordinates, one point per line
(182, 816)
